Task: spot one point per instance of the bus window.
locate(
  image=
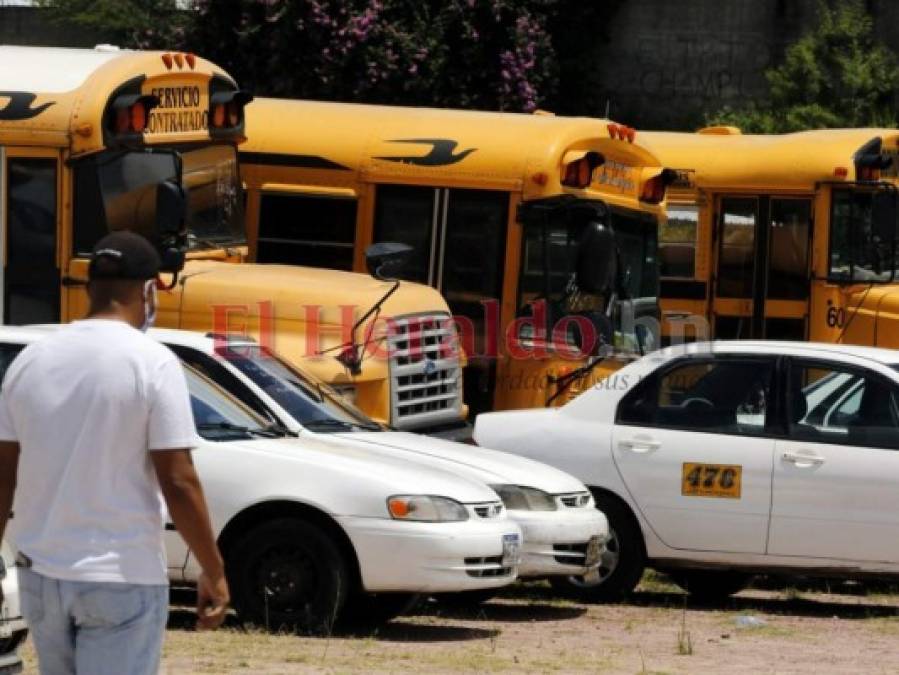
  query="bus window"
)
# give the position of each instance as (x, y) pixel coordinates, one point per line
(32, 277)
(408, 215)
(739, 217)
(788, 249)
(313, 230)
(677, 241)
(856, 253)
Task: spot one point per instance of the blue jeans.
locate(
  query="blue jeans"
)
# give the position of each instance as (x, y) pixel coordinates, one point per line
(86, 628)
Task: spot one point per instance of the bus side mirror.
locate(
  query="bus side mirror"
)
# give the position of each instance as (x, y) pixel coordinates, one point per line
(884, 214)
(386, 260)
(171, 212)
(597, 260)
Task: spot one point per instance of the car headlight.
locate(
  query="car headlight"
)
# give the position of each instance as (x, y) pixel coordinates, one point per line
(520, 498)
(426, 509)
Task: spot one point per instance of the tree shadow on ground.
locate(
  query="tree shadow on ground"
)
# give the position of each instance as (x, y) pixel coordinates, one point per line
(787, 605)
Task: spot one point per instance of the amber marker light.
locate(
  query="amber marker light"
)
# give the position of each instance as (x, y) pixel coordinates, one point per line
(840, 172)
(399, 507)
(179, 60)
(167, 60)
(191, 60)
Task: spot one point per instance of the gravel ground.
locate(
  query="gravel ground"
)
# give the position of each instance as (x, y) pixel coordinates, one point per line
(526, 629)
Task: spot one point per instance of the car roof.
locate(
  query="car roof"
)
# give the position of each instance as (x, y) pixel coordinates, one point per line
(887, 357)
(186, 338)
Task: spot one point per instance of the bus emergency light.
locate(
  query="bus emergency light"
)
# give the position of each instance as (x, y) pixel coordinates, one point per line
(653, 191)
(579, 173)
(131, 113)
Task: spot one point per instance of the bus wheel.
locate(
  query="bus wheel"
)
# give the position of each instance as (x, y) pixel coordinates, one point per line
(621, 565)
(288, 574)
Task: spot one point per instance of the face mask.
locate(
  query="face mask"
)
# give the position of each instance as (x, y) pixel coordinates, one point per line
(149, 305)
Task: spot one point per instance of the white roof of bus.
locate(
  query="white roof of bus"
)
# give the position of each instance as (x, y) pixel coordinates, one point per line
(50, 69)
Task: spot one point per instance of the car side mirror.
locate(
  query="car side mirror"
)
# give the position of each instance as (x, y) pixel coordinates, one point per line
(385, 260)
(171, 235)
(884, 214)
(597, 259)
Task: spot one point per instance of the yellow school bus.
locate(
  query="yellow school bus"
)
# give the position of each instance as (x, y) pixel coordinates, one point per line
(780, 236)
(497, 208)
(94, 140)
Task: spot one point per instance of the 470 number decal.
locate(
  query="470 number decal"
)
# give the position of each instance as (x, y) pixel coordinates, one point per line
(711, 480)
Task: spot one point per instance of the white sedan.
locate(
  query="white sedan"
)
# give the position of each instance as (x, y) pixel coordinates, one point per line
(311, 532)
(720, 460)
(563, 534)
(12, 627)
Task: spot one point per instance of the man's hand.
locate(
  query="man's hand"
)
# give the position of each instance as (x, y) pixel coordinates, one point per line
(212, 601)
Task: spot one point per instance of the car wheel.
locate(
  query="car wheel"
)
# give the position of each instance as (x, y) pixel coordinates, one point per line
(288, 574)
(622, 563)
(464, 599)
(710, 585)
(364, 610)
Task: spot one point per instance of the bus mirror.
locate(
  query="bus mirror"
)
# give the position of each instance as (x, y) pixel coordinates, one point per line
(171, 211)
(884, 214)
(386, 260)
(596, 259)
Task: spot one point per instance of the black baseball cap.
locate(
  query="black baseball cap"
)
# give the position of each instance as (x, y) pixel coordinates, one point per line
(124, 255)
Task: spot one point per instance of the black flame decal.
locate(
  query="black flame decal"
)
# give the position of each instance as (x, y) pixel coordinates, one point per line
(19, 106)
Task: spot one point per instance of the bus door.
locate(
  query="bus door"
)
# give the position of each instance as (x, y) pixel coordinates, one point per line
(29, 234)
(761, 284)
(459, 239)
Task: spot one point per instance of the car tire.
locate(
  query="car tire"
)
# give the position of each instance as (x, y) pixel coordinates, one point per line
(709, 586)
(369, 610)
(622, 564)
(288, 574)
(464, 599)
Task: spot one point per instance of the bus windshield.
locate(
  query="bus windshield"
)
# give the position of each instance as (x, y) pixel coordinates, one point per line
(117, 190)
(549, 261)
(857, 252)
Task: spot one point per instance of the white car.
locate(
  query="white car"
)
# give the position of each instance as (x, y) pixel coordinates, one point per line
(13, 630)
(309, 530)
(563, 533)
(720, 460)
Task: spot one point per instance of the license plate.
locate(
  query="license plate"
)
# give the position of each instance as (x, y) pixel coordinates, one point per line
(594, 551)
(511, 550)
(711, 480)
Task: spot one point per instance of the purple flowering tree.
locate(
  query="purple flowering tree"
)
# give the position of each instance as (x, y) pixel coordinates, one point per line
(492, 54)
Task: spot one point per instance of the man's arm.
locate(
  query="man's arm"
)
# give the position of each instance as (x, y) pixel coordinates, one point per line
(184, 497)
(9, 469)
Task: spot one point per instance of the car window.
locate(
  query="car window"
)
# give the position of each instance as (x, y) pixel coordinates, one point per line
(722, 396)
(834, 404)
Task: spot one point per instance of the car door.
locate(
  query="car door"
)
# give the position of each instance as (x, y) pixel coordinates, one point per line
(692, 445)
(836, 474)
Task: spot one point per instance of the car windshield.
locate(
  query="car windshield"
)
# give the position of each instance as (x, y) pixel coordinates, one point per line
(308, 400)
(217, 415)
(117, 190)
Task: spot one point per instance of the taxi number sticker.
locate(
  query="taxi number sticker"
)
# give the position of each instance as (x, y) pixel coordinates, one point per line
(711, 480)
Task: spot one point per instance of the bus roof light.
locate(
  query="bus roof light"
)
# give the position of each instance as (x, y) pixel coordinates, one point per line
(613, 130)
(579, 172)
(167, 60)
(653, 191)
(179, 60)
(631, 134)
(191, 60)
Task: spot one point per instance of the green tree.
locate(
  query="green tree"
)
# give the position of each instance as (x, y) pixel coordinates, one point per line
(837, 75)
(139, 24)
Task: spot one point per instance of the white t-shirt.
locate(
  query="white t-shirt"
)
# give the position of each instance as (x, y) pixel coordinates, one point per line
(86, 404)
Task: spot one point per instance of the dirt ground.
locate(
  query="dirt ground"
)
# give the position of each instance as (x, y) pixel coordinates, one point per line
(528, 630)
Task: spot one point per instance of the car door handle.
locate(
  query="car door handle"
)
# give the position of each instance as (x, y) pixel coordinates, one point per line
(639, 445)
(800, 459)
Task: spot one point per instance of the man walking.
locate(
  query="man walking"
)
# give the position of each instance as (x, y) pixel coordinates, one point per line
(94, 421)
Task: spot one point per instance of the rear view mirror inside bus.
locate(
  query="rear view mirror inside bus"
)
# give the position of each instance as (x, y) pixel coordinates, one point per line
(171, 211)
(884, 214)
(596, 259)
(386, 260)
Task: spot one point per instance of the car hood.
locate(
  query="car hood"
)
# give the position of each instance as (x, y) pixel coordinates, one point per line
(515, 428)
(489, 466)
(398, 475)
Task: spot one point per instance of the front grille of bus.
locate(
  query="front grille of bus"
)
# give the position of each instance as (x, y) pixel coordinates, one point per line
(425, 372)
